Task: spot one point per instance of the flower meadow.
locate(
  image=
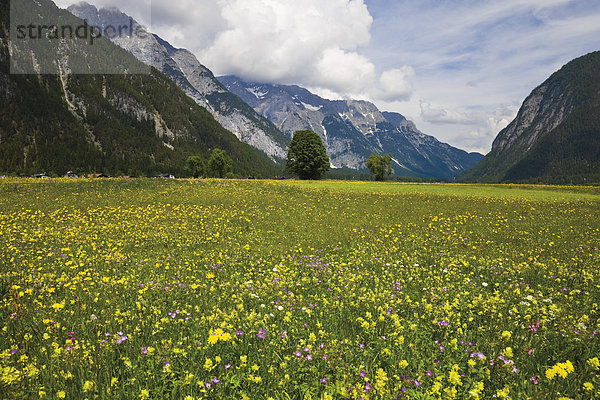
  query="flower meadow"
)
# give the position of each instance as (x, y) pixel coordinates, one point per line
(209, 289)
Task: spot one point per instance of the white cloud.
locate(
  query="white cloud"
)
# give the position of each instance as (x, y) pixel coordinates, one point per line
(191, 24)
(441, 115)
(293, 41)
(343, 72)
(500, 119)
(472, 130)
(395, 84)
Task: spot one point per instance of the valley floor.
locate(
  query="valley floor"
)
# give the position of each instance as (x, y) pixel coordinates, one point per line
(293, 290)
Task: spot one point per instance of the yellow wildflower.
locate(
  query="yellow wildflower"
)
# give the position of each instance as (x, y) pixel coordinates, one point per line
(476, 391)
(503, 394)
(454, 376)
(87, 386)
(562, 369)
(380, 379)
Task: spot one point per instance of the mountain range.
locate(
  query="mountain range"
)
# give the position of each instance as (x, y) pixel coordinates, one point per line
(117, 123)
(197, 81)
(266, 116)
(352, 130)
(555, 137)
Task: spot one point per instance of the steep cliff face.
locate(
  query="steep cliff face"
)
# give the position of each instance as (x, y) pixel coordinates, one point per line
(193, 78)
(353, 130)
(556, 134)
(114, 123)
(545, 109)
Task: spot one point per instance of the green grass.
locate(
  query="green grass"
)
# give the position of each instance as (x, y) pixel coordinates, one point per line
(121, 289)
(529, 192)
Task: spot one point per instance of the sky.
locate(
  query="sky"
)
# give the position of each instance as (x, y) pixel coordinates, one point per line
(460, 69)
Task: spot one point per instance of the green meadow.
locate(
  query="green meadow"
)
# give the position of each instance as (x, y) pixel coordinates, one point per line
(219, 289)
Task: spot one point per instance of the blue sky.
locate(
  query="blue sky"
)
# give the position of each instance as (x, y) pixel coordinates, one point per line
(459, 69)
(476, 61)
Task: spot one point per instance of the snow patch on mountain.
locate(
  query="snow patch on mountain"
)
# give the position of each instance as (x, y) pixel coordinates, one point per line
(257, 92)
(310, 106)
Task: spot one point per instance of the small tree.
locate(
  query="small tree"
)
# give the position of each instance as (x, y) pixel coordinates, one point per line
(307, 157)
(196, 166)
(380, 165)
(219, 163)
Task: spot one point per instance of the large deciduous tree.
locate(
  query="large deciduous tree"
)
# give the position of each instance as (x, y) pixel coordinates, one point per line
(380, 165)
(196, 166)
(220, 164)
(307, 157)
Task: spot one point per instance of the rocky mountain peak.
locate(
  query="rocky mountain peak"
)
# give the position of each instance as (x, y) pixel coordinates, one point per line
(353, 129)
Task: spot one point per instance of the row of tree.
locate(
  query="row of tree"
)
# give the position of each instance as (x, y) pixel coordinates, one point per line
(219, 165)
(307, 158)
